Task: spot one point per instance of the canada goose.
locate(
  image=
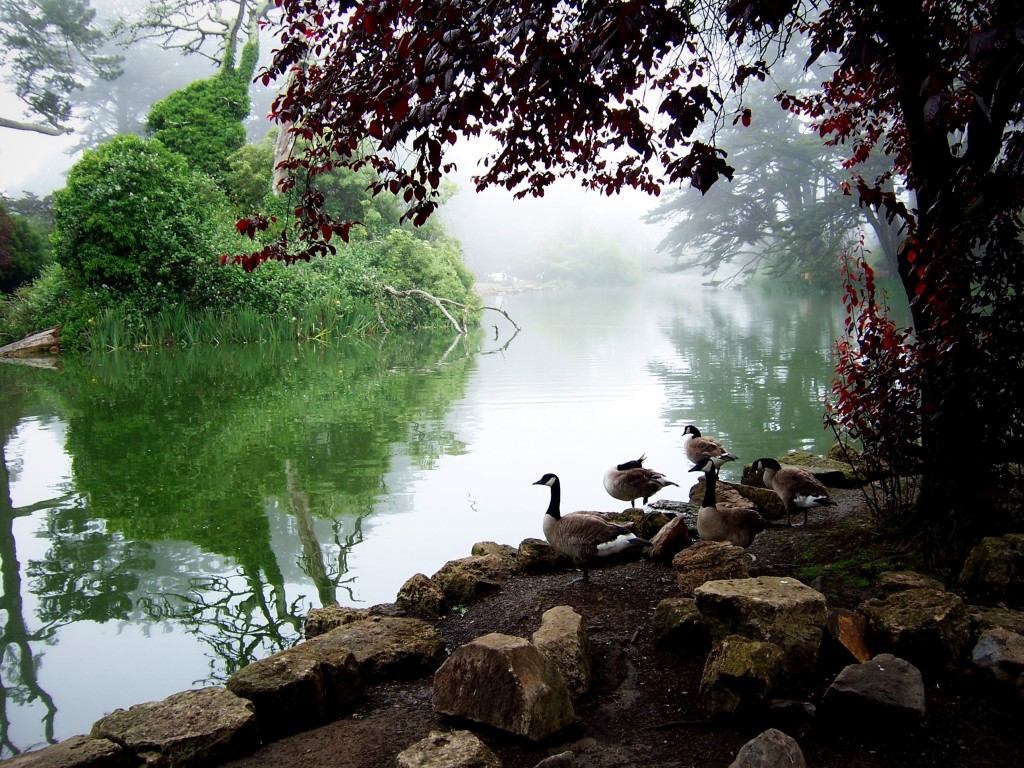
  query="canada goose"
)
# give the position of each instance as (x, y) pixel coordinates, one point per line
(698, 447)
(583, 535)
(737, 526)
(631, 481)
(795, 486)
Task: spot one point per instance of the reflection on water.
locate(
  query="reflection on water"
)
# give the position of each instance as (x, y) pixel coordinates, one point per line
(193, 506)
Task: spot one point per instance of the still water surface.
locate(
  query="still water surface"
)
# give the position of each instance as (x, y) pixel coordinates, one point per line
(171, 516)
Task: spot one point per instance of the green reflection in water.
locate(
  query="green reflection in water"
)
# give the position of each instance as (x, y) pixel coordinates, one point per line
(184, 452)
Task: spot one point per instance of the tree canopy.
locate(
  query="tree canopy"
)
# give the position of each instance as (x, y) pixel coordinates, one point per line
(613, 94)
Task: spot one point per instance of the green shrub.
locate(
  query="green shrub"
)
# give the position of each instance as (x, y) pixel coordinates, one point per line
(134, 219)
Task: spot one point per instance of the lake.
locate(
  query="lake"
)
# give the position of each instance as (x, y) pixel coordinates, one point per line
(171, 515)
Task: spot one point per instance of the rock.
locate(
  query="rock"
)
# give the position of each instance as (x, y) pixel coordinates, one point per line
(537, 556)
(1000, 654)
(671, 508)
(926, 626)
(671, 539)
(983, 617)
(708, 561)
(198, 727)
(464, 581)
(322, 620)
(75, 752)
(770, 749)
(765, 499)
(507, 553)
(421, 595)
(385, 647)
(561, 760)
(994, 571)
(779, 610)
(884, 695)
(342, 679)
(505, 682)
(287, 690)
(847, 630)
(563, 638)
(678, 626)
(739, 674)
(897, 581)
(453, 749)
(643, 524)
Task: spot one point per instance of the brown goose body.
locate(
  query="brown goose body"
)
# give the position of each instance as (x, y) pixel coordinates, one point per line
(698, 447)
(714, 523)
(583, 535)
(795, 486)
(630, 481)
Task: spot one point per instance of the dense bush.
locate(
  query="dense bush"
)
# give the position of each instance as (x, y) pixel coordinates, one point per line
(136, 220)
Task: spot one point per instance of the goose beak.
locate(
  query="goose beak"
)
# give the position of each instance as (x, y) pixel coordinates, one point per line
(696, 468)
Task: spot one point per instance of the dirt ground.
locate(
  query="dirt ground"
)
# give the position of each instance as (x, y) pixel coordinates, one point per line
(643, 707)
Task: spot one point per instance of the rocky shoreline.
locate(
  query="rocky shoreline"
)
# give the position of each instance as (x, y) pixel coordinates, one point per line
(498, 660)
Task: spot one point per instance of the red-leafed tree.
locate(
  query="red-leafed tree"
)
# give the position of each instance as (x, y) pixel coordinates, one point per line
(613, 94)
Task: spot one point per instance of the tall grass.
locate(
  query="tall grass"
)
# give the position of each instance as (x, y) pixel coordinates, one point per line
(117, 329)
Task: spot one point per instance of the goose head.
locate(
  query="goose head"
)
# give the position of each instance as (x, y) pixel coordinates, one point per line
(765, 463)
(704, 465)
(549, 480)
(692, 431)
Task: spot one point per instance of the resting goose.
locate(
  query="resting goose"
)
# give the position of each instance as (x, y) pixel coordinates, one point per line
(630, 481)
(737, 526)
(698, 448)
(583, 535)
(795, 486)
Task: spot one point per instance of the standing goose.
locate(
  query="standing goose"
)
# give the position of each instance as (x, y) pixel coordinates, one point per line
(583, 535)
(737, 526)
(795, 486)
(698, 448)
(631, 481)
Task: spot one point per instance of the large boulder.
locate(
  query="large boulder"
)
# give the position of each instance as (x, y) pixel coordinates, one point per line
(678, 626)
(673, 537)
(882, 695)
(322, 620)
(537, 556)
(192, 728)
(466, 580)
(779, 610)
(770, 749)
(419, 594)
(994, 571)
(288, 691)
(384, 647)
(708, 561)
(926, 626)
(76, 752)
(506, 552)
(999, 653)
(739, 673)
(563, 638)
(451, 749)
(505, 682)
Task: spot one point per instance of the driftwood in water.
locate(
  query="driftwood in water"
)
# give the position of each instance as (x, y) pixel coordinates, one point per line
(44, 342)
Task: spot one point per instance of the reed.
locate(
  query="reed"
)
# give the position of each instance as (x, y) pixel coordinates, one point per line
(116, 329)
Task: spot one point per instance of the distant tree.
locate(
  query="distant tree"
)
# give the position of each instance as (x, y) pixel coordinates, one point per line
(23, 249)
(52, 49)
(789, 219)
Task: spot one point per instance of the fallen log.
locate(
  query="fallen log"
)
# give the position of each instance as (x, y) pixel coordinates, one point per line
(44, 342)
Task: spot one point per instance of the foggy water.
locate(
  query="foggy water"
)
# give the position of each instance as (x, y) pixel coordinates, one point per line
(169, 516)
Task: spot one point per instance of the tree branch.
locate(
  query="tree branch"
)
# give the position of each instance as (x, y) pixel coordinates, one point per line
(45, 128)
